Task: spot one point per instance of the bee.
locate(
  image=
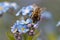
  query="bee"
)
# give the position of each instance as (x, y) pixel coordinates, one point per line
(36, 13)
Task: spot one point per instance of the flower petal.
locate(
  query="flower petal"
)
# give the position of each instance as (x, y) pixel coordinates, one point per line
(46, 15)
(14, 5)
(29, 20)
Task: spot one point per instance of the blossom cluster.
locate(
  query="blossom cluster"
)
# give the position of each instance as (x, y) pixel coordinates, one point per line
(23, 26)
(27, 25)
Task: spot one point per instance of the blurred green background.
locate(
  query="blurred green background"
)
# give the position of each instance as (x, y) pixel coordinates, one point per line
(7, 20)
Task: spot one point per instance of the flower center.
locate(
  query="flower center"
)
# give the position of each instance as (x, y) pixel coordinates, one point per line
(22, 29)
(1, 8)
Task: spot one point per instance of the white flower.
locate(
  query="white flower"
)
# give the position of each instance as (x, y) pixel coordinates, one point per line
(22, 28)
(25, 10)
(3, 7)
